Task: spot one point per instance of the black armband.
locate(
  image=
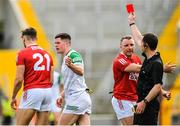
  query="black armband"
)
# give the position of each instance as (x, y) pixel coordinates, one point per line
(131, 24)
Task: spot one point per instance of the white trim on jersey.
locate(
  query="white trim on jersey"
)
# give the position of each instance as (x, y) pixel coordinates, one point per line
(122, 61)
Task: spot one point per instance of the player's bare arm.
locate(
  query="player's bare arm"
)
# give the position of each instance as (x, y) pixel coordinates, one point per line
(59, 101)
(52, 71)
(166, 94)
(17, 84)
(169, 68)
(134, 29)
(133, 68)
(75, 68)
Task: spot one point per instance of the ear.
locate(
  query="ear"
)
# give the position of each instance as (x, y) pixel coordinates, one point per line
(120, 46)
(145, 45)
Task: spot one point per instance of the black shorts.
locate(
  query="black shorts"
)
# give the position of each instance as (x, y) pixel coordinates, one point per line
(149, 117)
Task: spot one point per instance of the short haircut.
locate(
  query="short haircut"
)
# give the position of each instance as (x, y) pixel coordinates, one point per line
(63, 36)
(29, 32)
(151, 40)
(128, 37)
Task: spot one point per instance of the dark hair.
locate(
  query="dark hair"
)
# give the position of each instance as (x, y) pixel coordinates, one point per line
(128, 37)
(63, 36)
(30, 32)
(151, 40)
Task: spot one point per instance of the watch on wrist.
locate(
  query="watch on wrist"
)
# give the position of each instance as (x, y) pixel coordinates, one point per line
(146, 101)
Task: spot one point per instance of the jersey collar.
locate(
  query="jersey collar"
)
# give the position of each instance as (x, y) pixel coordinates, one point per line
(32, 45)
(68, 52)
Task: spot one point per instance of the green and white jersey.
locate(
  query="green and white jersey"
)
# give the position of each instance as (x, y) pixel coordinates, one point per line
(73, 83)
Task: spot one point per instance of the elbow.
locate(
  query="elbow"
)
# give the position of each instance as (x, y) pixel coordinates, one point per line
(158, 87)
(81, 73)
(18, 81)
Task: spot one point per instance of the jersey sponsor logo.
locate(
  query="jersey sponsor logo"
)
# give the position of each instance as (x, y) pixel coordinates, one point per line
(133, 76)
(122, 61)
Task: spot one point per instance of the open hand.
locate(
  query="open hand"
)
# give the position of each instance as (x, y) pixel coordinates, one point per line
(140, 107)
(131, 18)
(167, 95)
(169, 68)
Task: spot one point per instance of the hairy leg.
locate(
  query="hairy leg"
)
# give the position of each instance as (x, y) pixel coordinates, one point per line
(42, 118)
(127, 120)
(68, 119)
(56, 117)
(24, 116)
(84, 119)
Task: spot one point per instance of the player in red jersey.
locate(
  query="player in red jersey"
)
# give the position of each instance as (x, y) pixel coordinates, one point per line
(125, 71)
(34, 69)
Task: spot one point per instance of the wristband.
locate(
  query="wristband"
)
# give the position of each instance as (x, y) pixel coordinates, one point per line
(131, 24)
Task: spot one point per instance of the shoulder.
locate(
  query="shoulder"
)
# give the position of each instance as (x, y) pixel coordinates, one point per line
(120, 59)
(47, 53)
(75, 57)
(157, 62)
(136, 58)
(22, 51)
(73, 54)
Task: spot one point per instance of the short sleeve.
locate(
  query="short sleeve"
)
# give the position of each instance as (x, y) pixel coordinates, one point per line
(52, 64)
(59, 79)
(20, 60)
(123, 63)
(76, 58)
(157, 73)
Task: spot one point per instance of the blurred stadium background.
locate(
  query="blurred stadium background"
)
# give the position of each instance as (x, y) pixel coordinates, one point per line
(96, 27)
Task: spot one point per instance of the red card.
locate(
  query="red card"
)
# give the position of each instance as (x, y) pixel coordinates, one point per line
(130, 8)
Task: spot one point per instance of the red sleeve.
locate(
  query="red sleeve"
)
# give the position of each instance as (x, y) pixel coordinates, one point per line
(122, 63)
(52, 64)
(20, 58)
(51, 59)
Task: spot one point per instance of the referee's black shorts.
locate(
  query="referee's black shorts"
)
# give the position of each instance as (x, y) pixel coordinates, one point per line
(149, 117)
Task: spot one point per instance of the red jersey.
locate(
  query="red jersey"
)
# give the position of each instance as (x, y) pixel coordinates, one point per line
(38, 65)
(125, 83)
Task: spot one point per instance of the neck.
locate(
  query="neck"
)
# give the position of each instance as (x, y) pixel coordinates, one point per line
(66, 51)
(150, 53)
(128, 56)
(29, 43)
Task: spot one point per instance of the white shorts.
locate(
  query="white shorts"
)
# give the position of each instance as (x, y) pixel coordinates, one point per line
(55, 95)
(36, 98)
(54, 107)
(78, 104)
(123, 108)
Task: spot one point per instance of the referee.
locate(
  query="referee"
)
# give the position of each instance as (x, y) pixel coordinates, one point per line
(150, 77)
